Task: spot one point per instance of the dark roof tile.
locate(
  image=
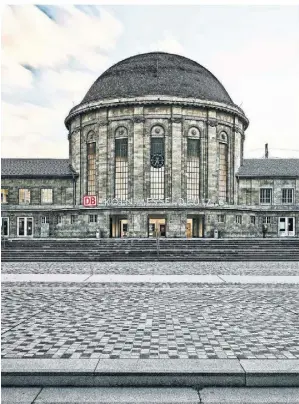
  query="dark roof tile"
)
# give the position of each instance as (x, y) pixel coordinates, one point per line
(269, 168)
(35, 168)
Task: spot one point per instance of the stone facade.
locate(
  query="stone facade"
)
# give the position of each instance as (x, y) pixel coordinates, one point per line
(137, 118)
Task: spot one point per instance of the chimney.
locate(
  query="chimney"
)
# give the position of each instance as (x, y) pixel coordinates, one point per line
(266, 151)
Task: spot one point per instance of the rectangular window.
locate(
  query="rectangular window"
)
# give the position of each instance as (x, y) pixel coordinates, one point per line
(239, 219)
(46, 195)
(93, 218)
(221, 218)
(157, 160)
(267, 219)
(121, 169)
(193, 169)
(222, 171)
(58, 219)
(45, 219)
(91, 168)
(74, 219)
(252, 219)
(4, 195)
(265, 195)
(24, 196)
(287, 195)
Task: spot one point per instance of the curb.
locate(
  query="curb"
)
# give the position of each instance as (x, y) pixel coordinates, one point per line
(193, 373)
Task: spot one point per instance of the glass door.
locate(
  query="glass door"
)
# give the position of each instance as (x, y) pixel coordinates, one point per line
(25, 226)
(286, 226)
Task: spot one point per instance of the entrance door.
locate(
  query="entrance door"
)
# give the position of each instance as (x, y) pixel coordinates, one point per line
(286, 226)
(157, 227)
(123, 227)
(194, 226)
(5, 226)
(25, 226)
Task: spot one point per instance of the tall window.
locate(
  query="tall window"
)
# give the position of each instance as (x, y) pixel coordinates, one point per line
(192, 169)
(24, 196)
(91, 168)
(121, 169)
(157, 168)
(287, 195)
(265, 195)
(222, 171)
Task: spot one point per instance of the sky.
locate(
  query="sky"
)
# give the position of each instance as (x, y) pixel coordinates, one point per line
(51, 55)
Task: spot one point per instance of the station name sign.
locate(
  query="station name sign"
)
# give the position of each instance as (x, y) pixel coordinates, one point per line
(160, 202)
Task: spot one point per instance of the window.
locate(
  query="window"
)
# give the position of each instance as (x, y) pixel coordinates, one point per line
(4, 195)
(45, 219)
(58, 219)
(46, 195)
(266, 195)
(93, 218)
(121, 169)
(74, 219)
(157, 158)
(267, 219)
(252, 219)
(24, 196)
(287, 195)
(239, 219)
(221, 218)
(91, 168)
(192, 169)
(222, 171)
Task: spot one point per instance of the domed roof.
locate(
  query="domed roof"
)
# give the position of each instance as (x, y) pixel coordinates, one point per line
(157, 73)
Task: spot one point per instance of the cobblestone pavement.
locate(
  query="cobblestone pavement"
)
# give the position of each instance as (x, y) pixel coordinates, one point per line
(168, 268)
(56, 320)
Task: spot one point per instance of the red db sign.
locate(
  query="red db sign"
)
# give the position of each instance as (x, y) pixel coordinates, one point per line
(89, 200)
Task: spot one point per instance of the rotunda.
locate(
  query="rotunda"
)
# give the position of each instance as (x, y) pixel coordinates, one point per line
(157, 142)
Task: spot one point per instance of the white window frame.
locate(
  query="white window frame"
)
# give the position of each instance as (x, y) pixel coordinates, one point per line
(252, 219)
(93, 216)
(264, 189)
(4, 194)
(43, 200)
(282, 199)
(220, 217)
(2, 219)
(45, 219)
(25, 193)
(267, 220)
(239, 219)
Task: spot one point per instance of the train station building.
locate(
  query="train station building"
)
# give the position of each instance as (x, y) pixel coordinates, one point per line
(155, 148)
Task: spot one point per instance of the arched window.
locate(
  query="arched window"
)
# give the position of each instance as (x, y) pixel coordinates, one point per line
(222, 179)
(193, 164)
(121, 164)
(91, 167)
(157, 160)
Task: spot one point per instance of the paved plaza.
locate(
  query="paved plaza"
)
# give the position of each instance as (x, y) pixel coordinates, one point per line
(151, 319)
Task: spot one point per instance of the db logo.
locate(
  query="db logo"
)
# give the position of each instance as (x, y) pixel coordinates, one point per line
(89, 200)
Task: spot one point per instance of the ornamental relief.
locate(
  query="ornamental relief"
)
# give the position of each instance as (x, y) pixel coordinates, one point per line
(157, 130)
(193, 132)
(91, 137)
(121, 131)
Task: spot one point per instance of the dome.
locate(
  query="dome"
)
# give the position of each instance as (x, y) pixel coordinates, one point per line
(156, 74)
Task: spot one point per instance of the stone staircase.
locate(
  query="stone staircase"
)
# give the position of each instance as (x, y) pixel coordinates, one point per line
(71, 250)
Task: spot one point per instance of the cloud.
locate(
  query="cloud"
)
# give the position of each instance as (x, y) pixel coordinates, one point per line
(168, 44)
(65, 50)
(31, 37)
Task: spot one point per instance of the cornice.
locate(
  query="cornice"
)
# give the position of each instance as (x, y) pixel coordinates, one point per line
(149, 100)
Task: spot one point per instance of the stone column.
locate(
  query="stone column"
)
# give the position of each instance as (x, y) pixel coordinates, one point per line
(176, 158)
(138, 170)
(213, 157)
(102, 157)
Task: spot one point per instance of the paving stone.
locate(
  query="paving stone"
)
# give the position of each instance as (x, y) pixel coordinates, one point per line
(19, 395)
